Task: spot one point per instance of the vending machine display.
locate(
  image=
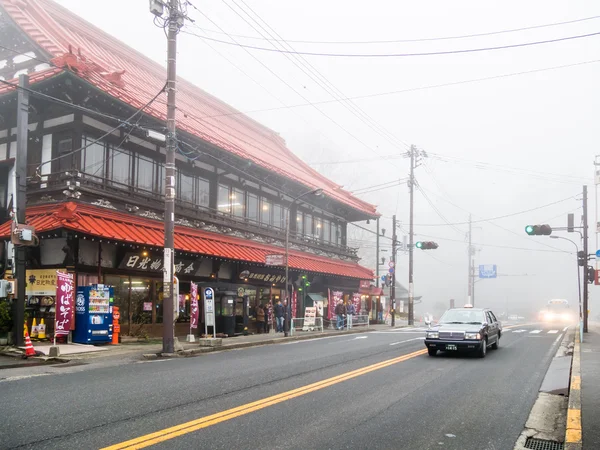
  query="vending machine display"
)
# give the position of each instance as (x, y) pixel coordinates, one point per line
(93, 314)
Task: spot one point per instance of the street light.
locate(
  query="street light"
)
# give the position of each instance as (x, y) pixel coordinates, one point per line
(578, 283)
(317, 192)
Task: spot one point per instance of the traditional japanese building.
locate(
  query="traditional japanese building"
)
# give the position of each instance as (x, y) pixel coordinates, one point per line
(96, 180)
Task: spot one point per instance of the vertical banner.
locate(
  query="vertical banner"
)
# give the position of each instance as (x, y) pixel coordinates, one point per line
(63, 318)
(356, 301)
(330, 305)
(294, 302)
(194, 310)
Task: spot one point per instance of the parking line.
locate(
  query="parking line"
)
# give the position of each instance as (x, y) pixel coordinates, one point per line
(552, 331)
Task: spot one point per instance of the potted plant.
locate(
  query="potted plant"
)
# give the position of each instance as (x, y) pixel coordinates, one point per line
(6, 322)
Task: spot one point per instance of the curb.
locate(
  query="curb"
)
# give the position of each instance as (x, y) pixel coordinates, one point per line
(197, 351)
(573, 433)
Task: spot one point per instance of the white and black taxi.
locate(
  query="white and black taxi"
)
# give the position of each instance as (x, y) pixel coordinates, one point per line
(464, 329)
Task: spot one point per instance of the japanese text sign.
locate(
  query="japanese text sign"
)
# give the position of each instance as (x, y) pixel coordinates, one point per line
(65, 289)
(194, 310)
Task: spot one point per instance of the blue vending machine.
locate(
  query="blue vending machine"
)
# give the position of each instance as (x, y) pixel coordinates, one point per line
(93, 314)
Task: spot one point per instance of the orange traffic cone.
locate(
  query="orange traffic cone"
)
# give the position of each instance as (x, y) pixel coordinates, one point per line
(29, 350)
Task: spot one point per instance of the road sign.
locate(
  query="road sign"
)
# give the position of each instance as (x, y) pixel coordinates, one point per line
(391, 270)
(209, 310)
(391, 264)
(488, 271)
(597, 253)
(383, 277)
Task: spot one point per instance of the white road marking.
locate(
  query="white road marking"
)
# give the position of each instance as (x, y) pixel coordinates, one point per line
(408, 340)
(552, 331)
(535, 331)
(557, 339)
(25, 377)
(519, 331)
(399, 332)
(359, 337)
(565, 328)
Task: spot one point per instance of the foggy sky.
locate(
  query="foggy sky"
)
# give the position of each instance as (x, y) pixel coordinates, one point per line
(532, 125)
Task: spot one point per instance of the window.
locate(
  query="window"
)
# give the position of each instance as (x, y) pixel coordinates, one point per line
(238, 204)
(265, 212)
(338, 233)
(120, 166)
(92, 158)
(65, 147)
(278, 217)
(186, 187)
(308, 225)
(203, 192)
(319, 228)
(223, 200)
(144, 176)
(299, 223)
(161, 179)
(252, 207)
(326, 233)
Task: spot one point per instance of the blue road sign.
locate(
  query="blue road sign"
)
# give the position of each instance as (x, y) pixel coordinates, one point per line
(488, 271)
(391, 270)
(383, 277)
(597, 253)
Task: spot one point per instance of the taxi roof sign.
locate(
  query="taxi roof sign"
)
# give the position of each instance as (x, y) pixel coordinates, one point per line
(468, 305)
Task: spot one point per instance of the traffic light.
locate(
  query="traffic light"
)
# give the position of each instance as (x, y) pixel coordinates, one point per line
(581, 259)
(427, 245)
(538, 230)
(591, 275)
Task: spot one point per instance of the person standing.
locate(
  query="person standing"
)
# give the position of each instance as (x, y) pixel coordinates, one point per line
(340, 310)
(349, 313)
(268, 316)
(260, 319)
(279, 315)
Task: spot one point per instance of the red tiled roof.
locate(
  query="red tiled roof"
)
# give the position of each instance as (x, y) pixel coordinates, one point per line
(133, 229)
(133, 78)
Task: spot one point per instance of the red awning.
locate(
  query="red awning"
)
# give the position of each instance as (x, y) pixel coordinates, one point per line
(371, 290)
(124, 227)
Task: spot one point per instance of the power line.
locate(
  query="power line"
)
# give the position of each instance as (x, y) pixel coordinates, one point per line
(496, 246)
(401, 55)
(497, 217)
(415, 89)
(444, 38)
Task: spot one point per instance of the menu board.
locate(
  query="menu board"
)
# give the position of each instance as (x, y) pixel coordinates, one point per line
(99, 301)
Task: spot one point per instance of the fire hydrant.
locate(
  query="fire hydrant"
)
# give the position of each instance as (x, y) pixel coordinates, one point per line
(116, 325)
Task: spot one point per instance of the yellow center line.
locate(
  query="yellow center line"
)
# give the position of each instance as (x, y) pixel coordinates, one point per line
(207, 421)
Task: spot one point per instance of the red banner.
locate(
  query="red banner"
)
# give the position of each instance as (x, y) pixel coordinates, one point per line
(334, 298)
(195, 311)
(65, 289)
(356, 301)
(294, 302)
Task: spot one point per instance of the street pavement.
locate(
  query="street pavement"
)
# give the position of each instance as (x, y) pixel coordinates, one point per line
(376, 390)
(590, 387)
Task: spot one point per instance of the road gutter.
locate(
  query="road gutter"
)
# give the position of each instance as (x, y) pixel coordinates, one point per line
(548, 417)
(573, 434)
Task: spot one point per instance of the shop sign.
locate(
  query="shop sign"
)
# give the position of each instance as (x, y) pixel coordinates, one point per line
(147, 306)
(65, 290)
(209, 310)
(365, 284)
(242, 291)
(310, 313)
(334, 298)
(41, 282)
(155, 264)
(266, 277)
(274, 260)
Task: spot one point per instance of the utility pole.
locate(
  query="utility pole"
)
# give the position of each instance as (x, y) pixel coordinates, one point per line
(585, 251)
(174, 22)
(470, 299)
(377, 256)
(393, 289)
(20, 202)
(411, 238)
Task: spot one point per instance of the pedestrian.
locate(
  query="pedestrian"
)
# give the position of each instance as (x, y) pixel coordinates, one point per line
(260, 319)
(340, 310)
(349, 313)
(279, 313)
(268, 316)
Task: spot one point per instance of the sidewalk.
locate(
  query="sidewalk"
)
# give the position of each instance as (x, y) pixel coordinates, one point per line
(590, 387)
(152, 347)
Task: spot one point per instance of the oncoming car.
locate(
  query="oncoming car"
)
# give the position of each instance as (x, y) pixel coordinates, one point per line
(557, 311)
(465, 329)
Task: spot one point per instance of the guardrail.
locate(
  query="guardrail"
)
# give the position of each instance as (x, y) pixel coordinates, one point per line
(298, 324)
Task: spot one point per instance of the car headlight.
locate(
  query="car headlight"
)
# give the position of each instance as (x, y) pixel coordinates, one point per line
(433, 335)
(472, 336)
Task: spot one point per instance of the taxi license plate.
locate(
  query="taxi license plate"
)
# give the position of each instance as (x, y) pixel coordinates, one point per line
(451, 347)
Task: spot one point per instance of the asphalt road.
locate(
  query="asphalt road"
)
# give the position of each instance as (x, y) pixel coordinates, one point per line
(372, 390)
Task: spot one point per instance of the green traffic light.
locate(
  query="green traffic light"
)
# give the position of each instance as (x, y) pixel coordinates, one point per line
(529, 229)
(419, 244)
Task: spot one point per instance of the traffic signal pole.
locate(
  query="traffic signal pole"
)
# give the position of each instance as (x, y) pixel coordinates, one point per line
(585, 251)
(411, 239)
(470, 265)
(393, 288)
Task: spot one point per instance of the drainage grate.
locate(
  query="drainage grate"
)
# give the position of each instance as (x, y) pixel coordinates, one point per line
(542, 444)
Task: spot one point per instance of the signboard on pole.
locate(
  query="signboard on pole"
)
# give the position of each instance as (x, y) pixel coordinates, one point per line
(274, 260)
(209, 310)
(65, 287)
(310, 313)
(488, 271)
